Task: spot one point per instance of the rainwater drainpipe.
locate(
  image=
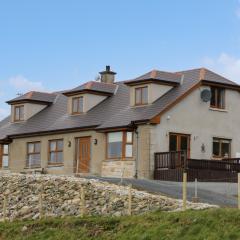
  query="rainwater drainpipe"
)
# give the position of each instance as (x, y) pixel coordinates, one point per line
(136, 165)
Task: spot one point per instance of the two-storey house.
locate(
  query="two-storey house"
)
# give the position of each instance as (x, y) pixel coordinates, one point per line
(111, 128)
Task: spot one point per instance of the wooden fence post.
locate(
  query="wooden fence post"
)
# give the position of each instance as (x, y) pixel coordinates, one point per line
(130, 200)
(41, 202)
(184, 191)
(4, 207)
(82, 202)
(239, 191)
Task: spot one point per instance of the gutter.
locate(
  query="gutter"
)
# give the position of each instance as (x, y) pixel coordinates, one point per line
(51, 132)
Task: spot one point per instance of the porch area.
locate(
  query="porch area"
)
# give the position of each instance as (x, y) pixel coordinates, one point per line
(170, 166)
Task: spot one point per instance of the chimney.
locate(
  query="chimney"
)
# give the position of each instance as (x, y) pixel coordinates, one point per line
(107, 76)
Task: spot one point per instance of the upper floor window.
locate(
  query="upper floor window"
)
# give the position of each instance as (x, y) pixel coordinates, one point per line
(33, 154)
(141, 95)
(18, 113)
(218, 97)
(120, 144)
(221, 148)
(77, 105)
(56, 152)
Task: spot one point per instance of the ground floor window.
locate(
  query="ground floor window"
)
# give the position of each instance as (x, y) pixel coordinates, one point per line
(4, 158)
(33, 154)
(221, 148)
(55, 152)
(120, 144)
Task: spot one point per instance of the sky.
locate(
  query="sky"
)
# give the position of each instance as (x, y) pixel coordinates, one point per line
(60, 44)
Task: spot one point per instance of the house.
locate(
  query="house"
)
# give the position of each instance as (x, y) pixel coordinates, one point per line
(113, 129)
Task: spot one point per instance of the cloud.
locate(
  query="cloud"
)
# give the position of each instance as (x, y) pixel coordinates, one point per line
(21, 83)
(238, 12)
(225, 64)
(3, 113)
(238, 9)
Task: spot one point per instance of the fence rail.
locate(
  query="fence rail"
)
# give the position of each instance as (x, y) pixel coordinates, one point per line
(171, 165)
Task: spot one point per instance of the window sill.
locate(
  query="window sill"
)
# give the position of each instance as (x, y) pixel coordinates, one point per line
(22, 121)
(142, 105)
(119, 159)
(55, 165)
(33, 167)
(218, 109)
(77, 114)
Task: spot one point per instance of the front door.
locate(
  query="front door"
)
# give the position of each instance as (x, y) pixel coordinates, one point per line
(179, 143)
(83, 154)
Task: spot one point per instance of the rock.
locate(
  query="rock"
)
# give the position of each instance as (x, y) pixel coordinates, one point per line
(36, 216)
(24, 210)
(24, 228)
(76, 201)
(117, 214)
(61, 197)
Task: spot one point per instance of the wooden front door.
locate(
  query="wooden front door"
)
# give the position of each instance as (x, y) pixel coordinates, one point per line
(83, 154)
(180, 143)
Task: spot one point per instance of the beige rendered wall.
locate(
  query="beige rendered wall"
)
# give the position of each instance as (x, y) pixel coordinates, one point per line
(155, 91)
(89, 101)
(195, 117)
(30, 110)
(18, 147)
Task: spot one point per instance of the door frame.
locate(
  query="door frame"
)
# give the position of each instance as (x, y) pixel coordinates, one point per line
(179, 141)
(76, 161)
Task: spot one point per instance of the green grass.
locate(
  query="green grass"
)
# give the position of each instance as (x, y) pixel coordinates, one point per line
(210, 224)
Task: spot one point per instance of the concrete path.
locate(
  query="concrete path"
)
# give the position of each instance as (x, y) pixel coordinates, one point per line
(223, 194)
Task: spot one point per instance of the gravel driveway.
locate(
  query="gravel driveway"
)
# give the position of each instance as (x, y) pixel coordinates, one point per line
(223, 194)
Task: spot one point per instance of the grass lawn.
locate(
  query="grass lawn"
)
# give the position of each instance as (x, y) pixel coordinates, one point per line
(190, 225)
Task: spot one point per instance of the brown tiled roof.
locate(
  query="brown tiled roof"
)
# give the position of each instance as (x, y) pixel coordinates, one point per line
(34, 97)
(106, 88)
(113, 112)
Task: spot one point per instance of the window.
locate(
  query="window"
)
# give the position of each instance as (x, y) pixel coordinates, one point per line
(4, 156)
(217, 98)
(18, 113)
(120, 144)
(129, 144)
(33, 154)
(77, 105)
(56, 152)
(221, 148)
(179, 142)
(141, 95)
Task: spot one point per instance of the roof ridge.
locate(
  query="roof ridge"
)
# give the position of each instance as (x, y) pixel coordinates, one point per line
(32, 92)
(174, 73)
(202, 74)
(29, 94)
(153, 73)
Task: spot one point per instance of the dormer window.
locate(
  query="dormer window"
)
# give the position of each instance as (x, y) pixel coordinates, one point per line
(19, 113)
(77, 105)
(141, 95)
(218, 98)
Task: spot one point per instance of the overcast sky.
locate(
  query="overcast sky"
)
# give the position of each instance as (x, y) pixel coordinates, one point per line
(51, 45)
